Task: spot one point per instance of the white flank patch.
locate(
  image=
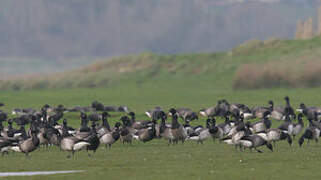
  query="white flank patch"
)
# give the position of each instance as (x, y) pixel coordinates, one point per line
(203, 113)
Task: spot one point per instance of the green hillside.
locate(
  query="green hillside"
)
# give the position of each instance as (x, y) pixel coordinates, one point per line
(208, 70)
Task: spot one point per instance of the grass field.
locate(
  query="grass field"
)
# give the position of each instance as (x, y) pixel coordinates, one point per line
(155, 159)
(189, 80)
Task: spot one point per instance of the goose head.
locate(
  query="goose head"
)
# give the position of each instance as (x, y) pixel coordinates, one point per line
(284, 135)
(132, 115)
(117, 124)
(202, 112)
(266, 114)
(301, 141)
(269, 145)
(172, 111)
(105, 114)
(300, 116)
(302, 108)
(125, 120)
(208, 123)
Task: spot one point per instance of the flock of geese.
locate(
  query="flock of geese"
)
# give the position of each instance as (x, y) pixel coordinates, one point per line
(44, 128)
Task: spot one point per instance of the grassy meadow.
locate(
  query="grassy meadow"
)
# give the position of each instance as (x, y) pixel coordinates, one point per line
(147, 80)
(155, 159)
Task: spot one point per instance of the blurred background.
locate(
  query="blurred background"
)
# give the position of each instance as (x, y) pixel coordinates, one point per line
(45, 36)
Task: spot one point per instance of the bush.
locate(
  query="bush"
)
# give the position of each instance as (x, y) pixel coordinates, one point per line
(278, 74)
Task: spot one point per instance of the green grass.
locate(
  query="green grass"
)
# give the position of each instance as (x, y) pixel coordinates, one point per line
(155, 159)
(188, 80)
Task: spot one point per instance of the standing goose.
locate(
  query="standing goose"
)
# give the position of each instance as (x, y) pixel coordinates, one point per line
(297, 128)
(125, 133)
(92, 139)
(287, 126)
(165, 131)
(110, 137)
(71, 143)
(29, 144)
(288, 110)
(277, 112)
(105, 127)
(178, 131)
(226, 126)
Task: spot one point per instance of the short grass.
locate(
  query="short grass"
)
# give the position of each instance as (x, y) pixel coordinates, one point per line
(155, 159)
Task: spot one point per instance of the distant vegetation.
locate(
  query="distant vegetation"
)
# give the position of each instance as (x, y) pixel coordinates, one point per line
(255, 64)
(306, 73)
(50, 29)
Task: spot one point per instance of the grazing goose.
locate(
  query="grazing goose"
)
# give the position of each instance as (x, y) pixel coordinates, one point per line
(258, 112)
(186, 114)
(309, 112)
(262, 125)
(154, 113)
(211, 132)
(245, 110)
(146, 134)
(237, 132)
(138, 124)
(6, 144)
(178, 131)
(110, 137)
(310, 133)
(200, 134)
(124, 109)
(29, 144)
(274, 135)
(208, 112)
(222, 108)
(254, 141)
(98, 106)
